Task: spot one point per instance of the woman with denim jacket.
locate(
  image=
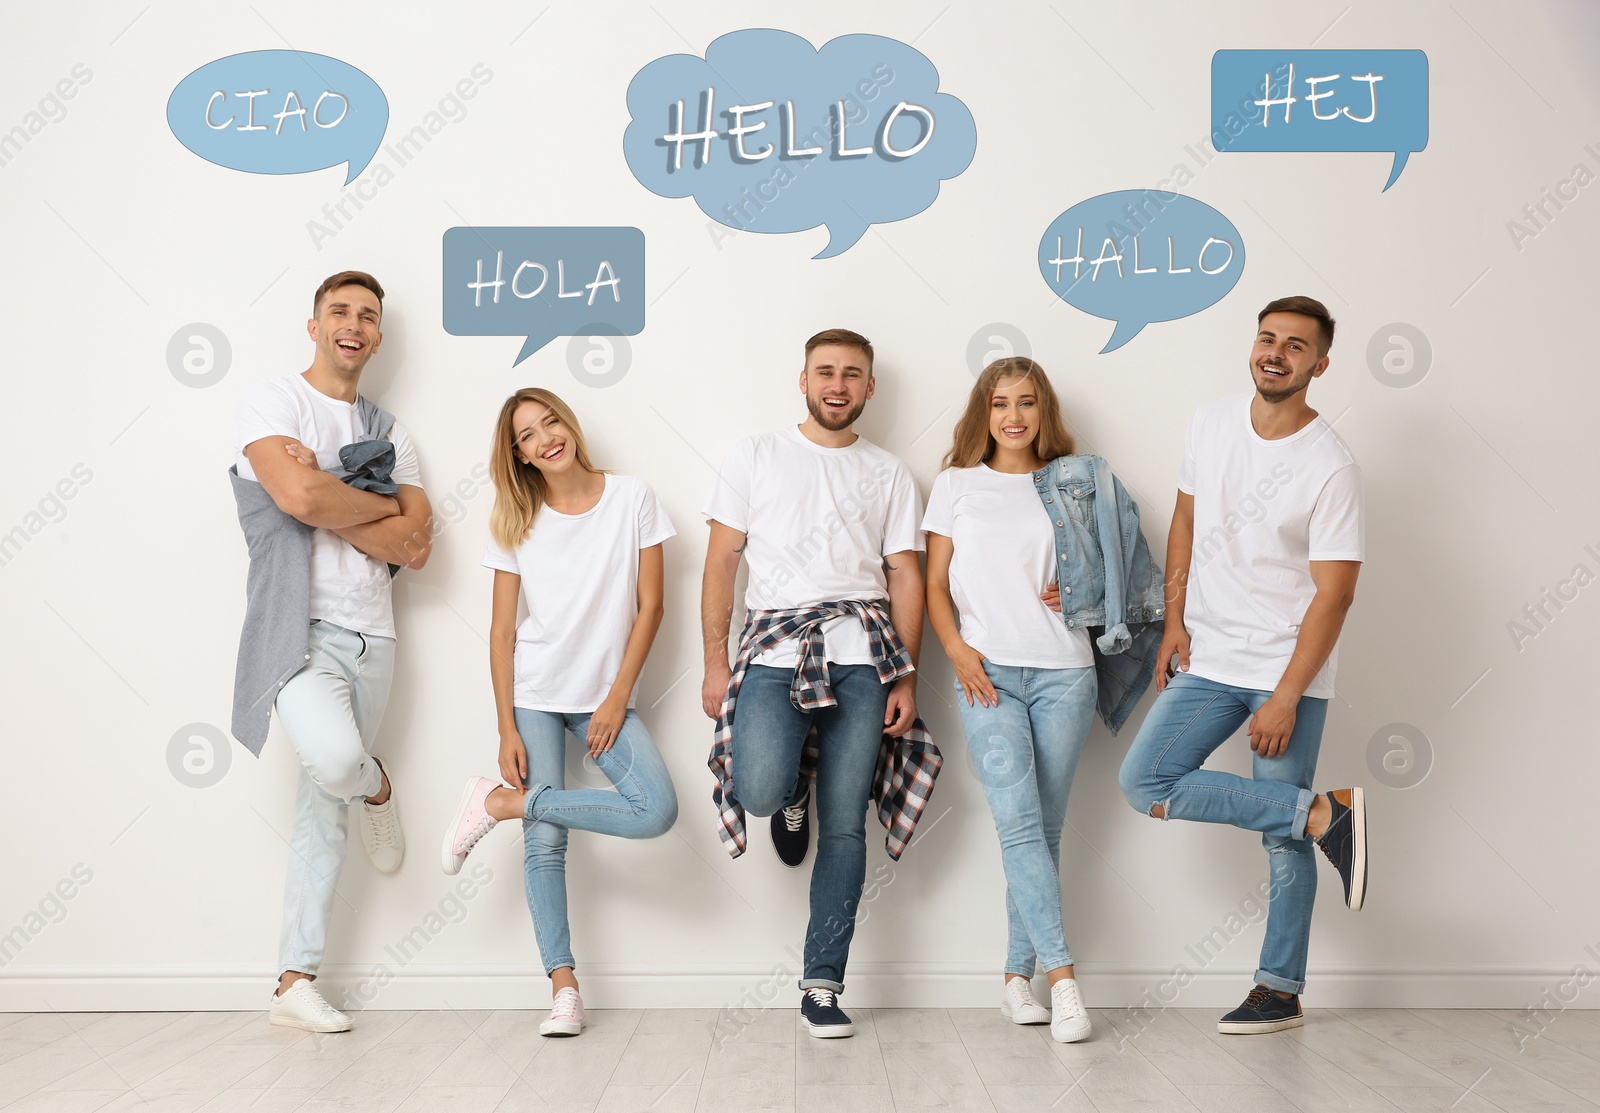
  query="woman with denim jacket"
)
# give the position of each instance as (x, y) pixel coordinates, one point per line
(1026, 678)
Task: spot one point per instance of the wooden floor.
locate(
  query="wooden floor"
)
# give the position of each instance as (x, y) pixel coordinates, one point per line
(899, 1060)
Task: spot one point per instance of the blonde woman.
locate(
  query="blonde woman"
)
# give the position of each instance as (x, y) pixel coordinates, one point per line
(582, 548)
(1010, 540)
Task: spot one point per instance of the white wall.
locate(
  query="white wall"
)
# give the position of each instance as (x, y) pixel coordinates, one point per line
(120, 621)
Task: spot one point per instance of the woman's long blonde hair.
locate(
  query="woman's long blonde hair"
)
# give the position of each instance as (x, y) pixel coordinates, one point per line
(973, 444)
(519, 489)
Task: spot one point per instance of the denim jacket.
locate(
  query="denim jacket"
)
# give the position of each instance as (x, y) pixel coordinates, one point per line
(1110, 585)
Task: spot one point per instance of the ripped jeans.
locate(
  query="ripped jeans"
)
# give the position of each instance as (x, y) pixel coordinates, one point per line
(1189, 721)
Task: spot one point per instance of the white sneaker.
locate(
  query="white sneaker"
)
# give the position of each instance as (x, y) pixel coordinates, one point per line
(302, 1006)
(1069, 1020)
(380, 831)
(566, 1015)
(1018, 1006)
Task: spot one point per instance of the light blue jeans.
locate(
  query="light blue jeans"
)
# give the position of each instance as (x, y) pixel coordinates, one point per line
(330, 709)
(644, 806)
(1025, 752)
(1189, 720)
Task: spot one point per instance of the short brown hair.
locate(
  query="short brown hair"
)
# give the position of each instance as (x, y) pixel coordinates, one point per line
(347, 278)
(840, 336)
(1306, 307)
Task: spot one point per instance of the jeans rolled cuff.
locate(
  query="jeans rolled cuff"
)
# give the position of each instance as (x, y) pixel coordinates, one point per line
(1302, 812)
(821, 983)
(527, 805)
(1282, 985)
(557, 963)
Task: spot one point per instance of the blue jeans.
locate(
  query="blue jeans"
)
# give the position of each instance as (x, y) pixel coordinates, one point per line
(1189, 720)
(1025, 752)
(330, 709)
(643, 806)
(769, 732)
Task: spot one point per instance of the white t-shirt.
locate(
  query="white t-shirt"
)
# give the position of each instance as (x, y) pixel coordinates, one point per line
(347, 586)
(580, 579)
(819, 522)
(1003, 554)
(1263, 510)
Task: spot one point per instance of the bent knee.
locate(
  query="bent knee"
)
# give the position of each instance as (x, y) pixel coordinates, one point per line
(760, 803)
(1142, 792)
(341, 777)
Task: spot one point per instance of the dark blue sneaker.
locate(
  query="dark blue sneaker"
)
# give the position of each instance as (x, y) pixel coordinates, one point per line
(822, 1016)
(1262, 1011)
(1345, 843)
(791, 832)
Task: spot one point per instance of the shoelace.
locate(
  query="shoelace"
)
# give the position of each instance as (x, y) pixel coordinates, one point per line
(793, 817)
(1258, 997)
(383, 825)
(313, 997)
(823, 997)
(565, 1006)
(1067, 988)
(485, 825)
(1020, 992)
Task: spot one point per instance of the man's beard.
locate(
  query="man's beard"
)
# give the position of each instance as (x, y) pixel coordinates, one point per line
(834, 420)
(1280, 390)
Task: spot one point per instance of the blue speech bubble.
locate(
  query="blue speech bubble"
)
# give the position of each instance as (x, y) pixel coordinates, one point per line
(769, 134)
(1140, 255)
(280, 112)
(1321, 100)
(541, 283)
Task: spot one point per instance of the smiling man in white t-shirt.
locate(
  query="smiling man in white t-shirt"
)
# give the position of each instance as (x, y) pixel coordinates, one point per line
(823, 517)
(1262, 560)
(319, 634)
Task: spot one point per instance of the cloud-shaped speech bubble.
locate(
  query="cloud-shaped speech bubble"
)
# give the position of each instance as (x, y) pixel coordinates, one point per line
(1140, 255)
(769, 134)
(280, 112)
(1321, 100)
(541, 283)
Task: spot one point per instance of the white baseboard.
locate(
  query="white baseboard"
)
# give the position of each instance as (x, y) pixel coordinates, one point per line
(870, 985)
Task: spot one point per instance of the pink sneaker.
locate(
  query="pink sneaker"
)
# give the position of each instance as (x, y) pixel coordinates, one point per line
(470, 824)
(566, 1015)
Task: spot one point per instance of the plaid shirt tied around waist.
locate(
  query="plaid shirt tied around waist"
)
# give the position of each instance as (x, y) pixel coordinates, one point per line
(902, 783)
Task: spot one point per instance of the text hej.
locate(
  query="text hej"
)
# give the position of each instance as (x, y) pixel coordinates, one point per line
(1313, 96)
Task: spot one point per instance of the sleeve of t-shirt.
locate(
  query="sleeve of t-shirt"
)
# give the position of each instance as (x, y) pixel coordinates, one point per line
(406, 471)
(729, 501)
(1186, 469)
(1336, 527)
(265, 411)
(497, 558)
(938, 518)
(900, 531)
(654, 524)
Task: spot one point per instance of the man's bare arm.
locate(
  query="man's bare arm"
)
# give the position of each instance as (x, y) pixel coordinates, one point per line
(309, 494)
(405, 538)
(723, 553)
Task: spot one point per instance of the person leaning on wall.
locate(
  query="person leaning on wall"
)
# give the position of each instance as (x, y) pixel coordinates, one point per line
(1039, 553)
(1262, 559)
(330, 499)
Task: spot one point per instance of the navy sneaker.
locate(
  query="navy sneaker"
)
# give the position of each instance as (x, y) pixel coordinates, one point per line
(1262, 1011)
(822, 1016)
(791, 831)
(1345, 843)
